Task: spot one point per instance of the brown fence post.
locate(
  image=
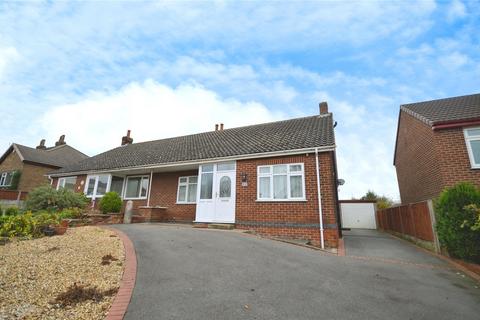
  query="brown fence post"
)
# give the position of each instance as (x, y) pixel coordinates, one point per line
(433, 223)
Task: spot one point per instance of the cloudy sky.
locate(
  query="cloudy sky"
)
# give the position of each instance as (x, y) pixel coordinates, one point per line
(93, 70)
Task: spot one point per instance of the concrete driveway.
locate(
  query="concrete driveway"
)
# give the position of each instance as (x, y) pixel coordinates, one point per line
(186, 273)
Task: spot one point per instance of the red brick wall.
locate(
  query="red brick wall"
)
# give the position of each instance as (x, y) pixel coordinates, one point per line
(454, 161)
(289, 219)
(416, 162)
(427, 161)
(164, 194)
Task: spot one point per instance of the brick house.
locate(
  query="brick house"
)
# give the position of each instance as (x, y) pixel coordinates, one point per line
(31, 165)
(438, 145)
(261, 177)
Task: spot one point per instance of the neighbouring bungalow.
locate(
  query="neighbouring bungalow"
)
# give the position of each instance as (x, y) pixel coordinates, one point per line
(277, 179)
(23, 168)
(438, 145)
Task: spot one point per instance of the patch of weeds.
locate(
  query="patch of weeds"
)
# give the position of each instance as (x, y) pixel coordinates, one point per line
(80, 293)
(107, 259)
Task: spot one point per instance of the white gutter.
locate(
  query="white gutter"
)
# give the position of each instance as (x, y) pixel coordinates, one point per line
(201, 161)
(149, 188)
(320, 214)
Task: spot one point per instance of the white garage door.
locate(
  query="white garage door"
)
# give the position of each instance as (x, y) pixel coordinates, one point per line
(358, 215)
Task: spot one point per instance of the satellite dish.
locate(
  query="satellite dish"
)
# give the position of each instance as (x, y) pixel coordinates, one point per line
(340, 182)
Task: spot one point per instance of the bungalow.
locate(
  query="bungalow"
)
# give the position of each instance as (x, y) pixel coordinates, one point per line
(277, 178)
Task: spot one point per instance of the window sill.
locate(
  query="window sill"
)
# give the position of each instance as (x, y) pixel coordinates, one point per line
(281, 200)
(185, 203)
(145, 198)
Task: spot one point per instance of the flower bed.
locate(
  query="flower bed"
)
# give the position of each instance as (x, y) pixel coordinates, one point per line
(74, 276)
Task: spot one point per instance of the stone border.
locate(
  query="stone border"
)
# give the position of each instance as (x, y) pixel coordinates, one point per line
(122, 299)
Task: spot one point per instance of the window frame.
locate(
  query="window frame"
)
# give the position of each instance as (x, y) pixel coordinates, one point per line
(142, 176)
(288, 174)
(468, 139)
(3, 178)
(187, 184)
(64, 179)
(97, 178)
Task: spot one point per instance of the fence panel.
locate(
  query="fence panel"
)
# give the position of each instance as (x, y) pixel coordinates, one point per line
(411, 219)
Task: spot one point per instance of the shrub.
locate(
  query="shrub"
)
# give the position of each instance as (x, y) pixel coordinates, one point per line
(71, 213)
(111, 202)
(452, 215)
(12, 211)
(28, 224)
(47, 198)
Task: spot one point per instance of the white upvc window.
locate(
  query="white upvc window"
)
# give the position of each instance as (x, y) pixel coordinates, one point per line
(97, 185)
(472, 138)
(187, 189)
(6, 179)
(282, 182)
(67, 183)
(136, 187)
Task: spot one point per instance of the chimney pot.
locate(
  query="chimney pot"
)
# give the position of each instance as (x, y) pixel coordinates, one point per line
(221, 126)
(60, 141)
(216, 127)
(127, 139)
(41, 146)
(323, 106)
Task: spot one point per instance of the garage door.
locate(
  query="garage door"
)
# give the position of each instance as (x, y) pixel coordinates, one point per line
(358, 215)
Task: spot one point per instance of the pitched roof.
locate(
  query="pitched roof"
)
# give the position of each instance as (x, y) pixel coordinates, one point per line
(59, 156)
(300, 133)
(445, 110)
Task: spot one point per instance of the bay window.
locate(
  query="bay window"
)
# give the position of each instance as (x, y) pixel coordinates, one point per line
(137, 187)
(472, 138)
(67, 183)
(187, 189)
(281, 182)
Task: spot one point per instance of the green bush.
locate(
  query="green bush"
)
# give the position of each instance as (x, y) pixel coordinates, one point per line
(452, 215)
(111, 202)
(47, 198)
(12, 211)
(71, 213)
(27, 225)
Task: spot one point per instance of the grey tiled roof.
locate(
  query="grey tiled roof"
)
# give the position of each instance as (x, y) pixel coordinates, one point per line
(308, 132)
(445, 110)
(59, 156)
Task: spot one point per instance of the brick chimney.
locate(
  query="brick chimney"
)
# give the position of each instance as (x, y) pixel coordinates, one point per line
(221, 126)
(41, 146)
(61, 141)
(323, 107)
(126, 139)
(216, 127)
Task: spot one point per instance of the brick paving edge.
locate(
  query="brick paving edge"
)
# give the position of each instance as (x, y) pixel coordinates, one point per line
(119, 306)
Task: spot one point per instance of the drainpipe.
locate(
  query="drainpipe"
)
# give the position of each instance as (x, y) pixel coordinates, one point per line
(149, 188)
(320, 215)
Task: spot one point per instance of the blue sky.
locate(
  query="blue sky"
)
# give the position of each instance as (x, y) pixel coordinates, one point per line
(93, 70)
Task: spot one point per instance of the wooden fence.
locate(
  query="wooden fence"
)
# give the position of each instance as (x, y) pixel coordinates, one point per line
(414, 220)
(12, 195)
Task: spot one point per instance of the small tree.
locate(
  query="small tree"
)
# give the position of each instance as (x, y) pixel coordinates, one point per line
(453, 215)
(383, 202)
(111, 202)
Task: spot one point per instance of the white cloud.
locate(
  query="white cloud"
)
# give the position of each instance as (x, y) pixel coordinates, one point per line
(8, 55)
(456, 10)
(152, 111)
(454, 60)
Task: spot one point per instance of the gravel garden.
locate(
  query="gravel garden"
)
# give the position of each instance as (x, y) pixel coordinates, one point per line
(51, 271)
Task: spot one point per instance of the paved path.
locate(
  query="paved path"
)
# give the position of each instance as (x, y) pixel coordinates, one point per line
(186, 273)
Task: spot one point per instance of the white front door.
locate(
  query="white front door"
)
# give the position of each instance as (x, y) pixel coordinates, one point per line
(225, 197)
(216, 193)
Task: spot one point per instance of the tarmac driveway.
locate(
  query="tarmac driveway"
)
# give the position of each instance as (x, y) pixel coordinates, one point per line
(186, 273)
